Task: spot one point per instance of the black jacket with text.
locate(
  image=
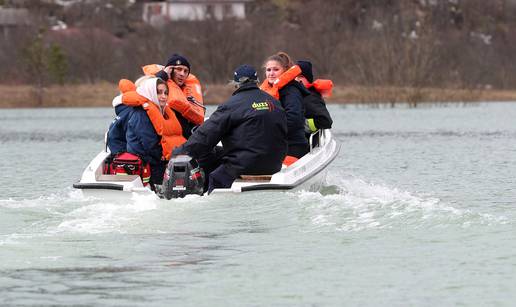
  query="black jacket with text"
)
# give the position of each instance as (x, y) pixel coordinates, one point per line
(252, 126)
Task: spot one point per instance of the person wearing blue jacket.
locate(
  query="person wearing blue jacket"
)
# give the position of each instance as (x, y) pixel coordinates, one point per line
(116, 141)
(252, 127)
(132, 131)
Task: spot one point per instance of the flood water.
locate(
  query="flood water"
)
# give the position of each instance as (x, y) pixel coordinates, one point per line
(419, 209)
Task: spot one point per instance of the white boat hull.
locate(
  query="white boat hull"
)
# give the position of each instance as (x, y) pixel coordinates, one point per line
(308, 173)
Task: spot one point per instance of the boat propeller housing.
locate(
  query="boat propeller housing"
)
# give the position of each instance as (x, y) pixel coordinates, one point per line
(183, 176)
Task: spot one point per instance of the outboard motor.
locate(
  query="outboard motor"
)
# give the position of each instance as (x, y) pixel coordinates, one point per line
(183, 176)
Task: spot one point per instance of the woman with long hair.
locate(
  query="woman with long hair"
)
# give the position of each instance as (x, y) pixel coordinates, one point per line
(291, 95)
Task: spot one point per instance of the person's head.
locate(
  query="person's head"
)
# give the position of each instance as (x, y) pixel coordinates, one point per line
(162, 92)
(154, 89)
(180, 68)
(275, 65)
(306, 76)
(244, 74)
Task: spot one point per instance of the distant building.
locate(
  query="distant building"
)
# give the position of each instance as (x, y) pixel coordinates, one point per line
(66, 3)
(12, 19)
(158, 13)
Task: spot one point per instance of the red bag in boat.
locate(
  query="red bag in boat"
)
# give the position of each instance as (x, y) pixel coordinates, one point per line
(129, 164)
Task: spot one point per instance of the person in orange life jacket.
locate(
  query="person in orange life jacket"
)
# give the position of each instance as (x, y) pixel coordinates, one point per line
(316, 113)
(291, 98)
(185, 93)
(163, 119)
(252, 128)
(133, 126)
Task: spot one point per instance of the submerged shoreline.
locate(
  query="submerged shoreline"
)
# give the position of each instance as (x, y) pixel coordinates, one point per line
(101, 95)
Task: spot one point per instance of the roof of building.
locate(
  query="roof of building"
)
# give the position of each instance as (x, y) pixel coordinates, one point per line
(208, 1)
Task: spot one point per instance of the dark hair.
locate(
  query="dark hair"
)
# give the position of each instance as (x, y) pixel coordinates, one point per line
(160, 81)
(281, 57)
(306, 70)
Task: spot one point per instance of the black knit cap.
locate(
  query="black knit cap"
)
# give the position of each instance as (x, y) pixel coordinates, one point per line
(306, 70)
(177, 59)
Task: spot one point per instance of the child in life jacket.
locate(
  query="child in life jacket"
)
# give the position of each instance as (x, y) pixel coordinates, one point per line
(163, 119)
(134, 126)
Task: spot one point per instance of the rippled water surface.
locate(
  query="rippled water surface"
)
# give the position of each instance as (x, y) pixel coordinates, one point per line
(419, 209)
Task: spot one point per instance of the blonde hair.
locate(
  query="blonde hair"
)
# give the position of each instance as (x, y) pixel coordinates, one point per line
(282, 58)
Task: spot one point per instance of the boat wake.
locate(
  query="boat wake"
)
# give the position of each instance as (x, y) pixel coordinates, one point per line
(352, 204)
(344, 204)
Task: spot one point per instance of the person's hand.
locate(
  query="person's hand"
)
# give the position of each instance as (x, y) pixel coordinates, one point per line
(169, 70)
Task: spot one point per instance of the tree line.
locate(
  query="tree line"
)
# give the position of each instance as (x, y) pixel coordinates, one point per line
(403, 43)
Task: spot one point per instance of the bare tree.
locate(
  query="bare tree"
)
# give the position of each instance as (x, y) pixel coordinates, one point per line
(411, 45)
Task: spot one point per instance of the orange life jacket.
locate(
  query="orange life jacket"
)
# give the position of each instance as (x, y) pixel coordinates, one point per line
(166, 125)
(177, 96)
(125, 86)
(289, 75)
(289, 160)
(323, 86)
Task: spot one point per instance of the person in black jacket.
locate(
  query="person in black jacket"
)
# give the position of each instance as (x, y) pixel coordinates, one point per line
(252, 126)
(291, 97)
(316, 113)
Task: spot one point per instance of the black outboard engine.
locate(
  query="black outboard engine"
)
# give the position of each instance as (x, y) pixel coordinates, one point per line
(183, 176)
